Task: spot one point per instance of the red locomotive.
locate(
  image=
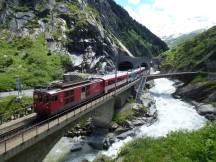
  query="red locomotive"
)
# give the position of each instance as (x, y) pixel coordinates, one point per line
(51, 100)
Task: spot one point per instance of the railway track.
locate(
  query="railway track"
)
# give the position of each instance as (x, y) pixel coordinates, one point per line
(21, 125)
(12, 127)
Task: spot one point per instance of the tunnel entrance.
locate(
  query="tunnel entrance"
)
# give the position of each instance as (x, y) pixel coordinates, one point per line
(126, 65)
(145, 65)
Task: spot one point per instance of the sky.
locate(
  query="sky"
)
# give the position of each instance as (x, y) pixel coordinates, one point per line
(172, 17)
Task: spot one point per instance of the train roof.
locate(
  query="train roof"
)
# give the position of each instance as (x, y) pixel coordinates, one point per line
(110, 76)
(65, 86)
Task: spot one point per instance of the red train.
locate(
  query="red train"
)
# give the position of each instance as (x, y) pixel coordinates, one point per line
(51, 100)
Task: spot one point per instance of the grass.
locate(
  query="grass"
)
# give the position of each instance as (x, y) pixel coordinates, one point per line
(30, 60)
(121, 117)
(199, 78)
(198, 146)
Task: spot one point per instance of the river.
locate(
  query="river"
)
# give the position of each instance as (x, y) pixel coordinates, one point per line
(173, 115)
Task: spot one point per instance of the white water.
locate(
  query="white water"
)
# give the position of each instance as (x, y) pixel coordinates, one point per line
(173, 115)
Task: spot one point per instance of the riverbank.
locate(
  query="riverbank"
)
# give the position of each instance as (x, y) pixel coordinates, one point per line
(201, 93)
(199, 146)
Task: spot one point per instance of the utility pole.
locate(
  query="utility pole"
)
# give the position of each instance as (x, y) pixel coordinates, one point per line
(116, 68)
(18, 87)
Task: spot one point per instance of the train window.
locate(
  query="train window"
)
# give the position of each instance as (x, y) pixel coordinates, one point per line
(67, 101)
(83, 89)
(39, 98)
(88, 87)
(71, 92)
(45, 99)
(67, 93)
(35, 98)
(54, 98)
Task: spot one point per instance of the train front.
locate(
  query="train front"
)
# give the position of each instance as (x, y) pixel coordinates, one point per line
(41, 102)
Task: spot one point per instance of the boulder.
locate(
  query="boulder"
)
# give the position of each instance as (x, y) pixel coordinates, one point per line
(96, 142)
(211, 117)
(121, 129)
(138, 122)
(206, 109)
(76, 147)
(126, 134)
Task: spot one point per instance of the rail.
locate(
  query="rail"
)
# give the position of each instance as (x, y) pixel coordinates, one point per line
(21, 137)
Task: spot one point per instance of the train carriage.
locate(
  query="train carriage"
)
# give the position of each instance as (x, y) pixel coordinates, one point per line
(51, 100)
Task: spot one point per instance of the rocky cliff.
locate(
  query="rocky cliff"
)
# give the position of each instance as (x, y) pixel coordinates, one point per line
(90, 32)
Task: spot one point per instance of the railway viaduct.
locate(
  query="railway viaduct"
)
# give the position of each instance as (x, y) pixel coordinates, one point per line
(34, 143)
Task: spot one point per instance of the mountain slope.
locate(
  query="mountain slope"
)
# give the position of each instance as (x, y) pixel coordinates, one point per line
(194, 54)
(89, 32)
(172, 42)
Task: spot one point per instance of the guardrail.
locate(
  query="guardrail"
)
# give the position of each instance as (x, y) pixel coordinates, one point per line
(25, 135)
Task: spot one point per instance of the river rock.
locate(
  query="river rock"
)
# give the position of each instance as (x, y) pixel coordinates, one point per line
(206, 109)
(121, 129)
(108, 141)
(96, 142)
(76, 147)
(113, 126)
(126, 134)
(211, 117)
(138, 122)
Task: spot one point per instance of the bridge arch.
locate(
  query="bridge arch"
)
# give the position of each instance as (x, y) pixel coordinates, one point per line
(125, 65)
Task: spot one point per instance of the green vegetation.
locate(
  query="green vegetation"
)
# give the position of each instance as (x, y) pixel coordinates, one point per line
(28, 59)
(121, 117)
(140, 46)
(198, 146)
(199, 78)
(9, 105)
(192, 54)
(136, 37)
(77, 14)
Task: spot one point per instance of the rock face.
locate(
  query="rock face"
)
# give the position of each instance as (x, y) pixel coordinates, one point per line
(207, 110)
(91, 31)
(201, 95)
(199, 92)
